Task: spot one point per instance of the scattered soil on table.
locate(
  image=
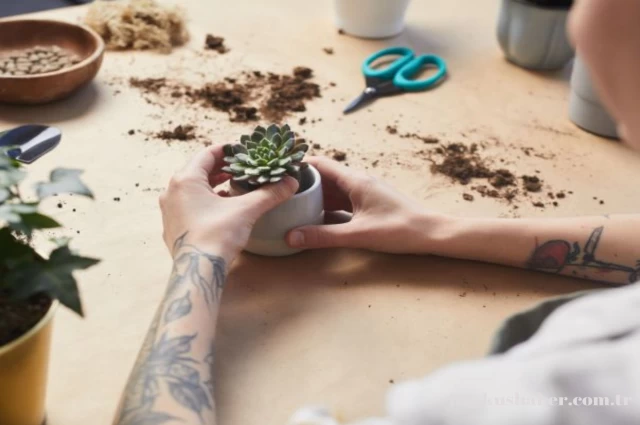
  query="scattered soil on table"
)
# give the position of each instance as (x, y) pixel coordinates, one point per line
(138, 25)
(328, 50)
(251, 96)
(466, 164)
(212, 42)
(181, 132)
(19, 317)
(393, 130)
(36, 60)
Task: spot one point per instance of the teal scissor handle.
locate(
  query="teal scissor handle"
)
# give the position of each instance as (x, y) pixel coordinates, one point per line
(403, 79)
(388, 73)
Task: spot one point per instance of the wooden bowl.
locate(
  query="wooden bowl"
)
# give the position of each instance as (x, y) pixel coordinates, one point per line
(51, 86)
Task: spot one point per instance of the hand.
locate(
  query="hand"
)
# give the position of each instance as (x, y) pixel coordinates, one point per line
(214, 222)
(382, 219)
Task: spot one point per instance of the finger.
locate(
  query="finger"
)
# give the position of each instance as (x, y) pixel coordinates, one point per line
(335, 184)
(218, 179)
(271, 195)
(327, 236)
(206, 162)
(337, 217)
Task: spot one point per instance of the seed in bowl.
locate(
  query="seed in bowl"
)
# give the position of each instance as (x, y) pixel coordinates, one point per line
(36, 60)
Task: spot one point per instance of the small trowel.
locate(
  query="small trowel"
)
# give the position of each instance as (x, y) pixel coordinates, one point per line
(29, 142)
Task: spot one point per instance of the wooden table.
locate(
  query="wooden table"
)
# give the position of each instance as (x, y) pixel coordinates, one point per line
(331, 327)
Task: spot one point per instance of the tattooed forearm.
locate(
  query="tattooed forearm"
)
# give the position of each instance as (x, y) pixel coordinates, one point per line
(172, 380)
(560, 256)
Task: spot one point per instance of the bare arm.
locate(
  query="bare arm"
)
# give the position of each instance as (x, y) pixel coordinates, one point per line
(598, 248)
(172, 380)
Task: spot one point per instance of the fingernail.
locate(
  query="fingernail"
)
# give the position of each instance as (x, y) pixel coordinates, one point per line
(296, 238)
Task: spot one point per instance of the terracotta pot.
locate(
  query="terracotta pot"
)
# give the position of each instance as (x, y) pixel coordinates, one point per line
(305, 208)
(24, 363)
(533, 36)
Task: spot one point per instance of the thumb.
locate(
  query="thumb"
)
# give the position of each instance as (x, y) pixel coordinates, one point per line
(324, 236)
(270, 196)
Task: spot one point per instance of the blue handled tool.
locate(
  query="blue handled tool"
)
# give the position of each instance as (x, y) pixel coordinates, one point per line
(29, 142)
(397, 77)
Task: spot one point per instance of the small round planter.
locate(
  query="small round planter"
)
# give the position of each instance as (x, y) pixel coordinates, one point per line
(533, 36)
(371, 18)
(585, 108)
(305, 208)
(24, 364)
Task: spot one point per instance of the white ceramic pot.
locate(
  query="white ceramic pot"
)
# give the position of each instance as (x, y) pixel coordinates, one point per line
(585, 108)
(534, 37)
(303, 209)
(371, 18)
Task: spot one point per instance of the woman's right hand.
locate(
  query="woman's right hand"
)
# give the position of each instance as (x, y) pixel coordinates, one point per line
(381, 219)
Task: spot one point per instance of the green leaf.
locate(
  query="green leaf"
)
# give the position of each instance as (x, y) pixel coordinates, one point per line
(63, 180)
(285, 129)
(33, 221)
(251, 145)
(228, 170)
(257, 137)
(286, 147)
(238, 167)
(276, 140)
(275, 179)
(272, 130)
(243, 157)
(300, 148)
(252, 171)
(239, 149)
(4, 194)
(53, 277)
(7, 214)
(278, 171)
(260, 130)
(289, 135)
(273, 162)
(11, 177)
(297, 156)
(244, 139)
(263, 179)
(284, 161)
(264, 169)
(292, 168)
(228, 150)
(241, 178)
(230, 159)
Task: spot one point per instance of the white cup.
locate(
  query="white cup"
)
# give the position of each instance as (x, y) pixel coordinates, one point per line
(371, 18)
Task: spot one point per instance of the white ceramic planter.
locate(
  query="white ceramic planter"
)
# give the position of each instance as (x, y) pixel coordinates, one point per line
(585, 108)
(371, 18)
(303, 209)
(534, 37)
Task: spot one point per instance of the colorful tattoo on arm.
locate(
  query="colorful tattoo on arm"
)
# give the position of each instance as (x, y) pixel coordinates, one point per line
(560, 256)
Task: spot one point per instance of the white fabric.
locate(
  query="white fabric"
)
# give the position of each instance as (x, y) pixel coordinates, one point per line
(588, 348)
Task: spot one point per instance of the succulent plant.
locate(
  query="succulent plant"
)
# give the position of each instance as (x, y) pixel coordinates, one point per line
(265, 156)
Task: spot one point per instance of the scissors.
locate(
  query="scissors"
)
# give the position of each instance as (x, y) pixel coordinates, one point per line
(396, 78)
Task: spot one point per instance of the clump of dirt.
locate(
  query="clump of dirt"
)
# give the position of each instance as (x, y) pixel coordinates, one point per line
(250, 96)
(212, 42)
(532, 183)
(338, 155)
(181, 132)
(328, 50)
(502, 178)
(461, 164)
(468, 197)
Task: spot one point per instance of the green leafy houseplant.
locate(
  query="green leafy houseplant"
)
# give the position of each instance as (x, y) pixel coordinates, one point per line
(25, 274)
(265, 156)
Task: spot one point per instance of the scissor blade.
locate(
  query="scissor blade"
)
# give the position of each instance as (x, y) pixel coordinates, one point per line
(592, 243)
(365, 98)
